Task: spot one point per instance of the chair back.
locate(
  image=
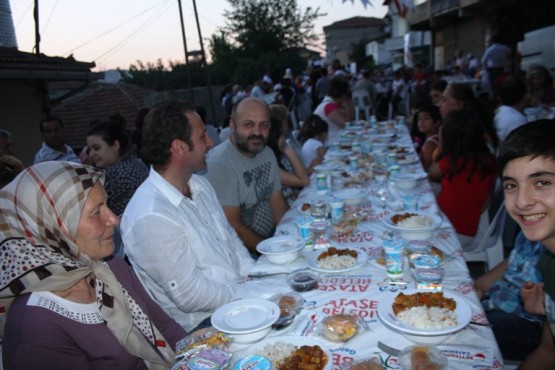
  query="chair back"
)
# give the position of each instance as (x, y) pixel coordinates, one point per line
(490, 247)
(362, 102)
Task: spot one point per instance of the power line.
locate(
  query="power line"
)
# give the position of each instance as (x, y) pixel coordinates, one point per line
(50, 16)
(116, 27)
(24, 14)
(134, 33)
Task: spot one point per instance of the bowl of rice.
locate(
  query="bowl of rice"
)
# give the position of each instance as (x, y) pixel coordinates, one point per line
(413, 225)
(425, 317)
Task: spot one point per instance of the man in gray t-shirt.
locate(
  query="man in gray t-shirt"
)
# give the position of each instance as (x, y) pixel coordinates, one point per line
(245, 174)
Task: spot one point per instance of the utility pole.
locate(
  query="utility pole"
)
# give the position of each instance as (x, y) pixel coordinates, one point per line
(186, 52)
(37, 34)
(208, 83)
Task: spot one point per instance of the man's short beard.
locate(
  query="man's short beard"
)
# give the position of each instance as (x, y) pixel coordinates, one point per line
(243, 145)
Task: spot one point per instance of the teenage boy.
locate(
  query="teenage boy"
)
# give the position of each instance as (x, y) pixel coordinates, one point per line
(526, 162)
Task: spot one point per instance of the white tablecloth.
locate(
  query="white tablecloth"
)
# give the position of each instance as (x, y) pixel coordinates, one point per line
(360, 291)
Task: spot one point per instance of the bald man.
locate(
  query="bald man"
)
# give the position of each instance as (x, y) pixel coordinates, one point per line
(245, 174)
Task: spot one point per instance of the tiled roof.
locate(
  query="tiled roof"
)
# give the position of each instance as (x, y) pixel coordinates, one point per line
(97, 102)
(13, 59)
(356, 22)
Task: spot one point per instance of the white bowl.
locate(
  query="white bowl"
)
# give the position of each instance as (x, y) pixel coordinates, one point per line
(280, 250)
(351, 196)
(404, 181)
(422, 233)
(246, 320)
(252, 337)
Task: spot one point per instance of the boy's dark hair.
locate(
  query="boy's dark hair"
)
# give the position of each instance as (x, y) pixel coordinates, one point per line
(432, 110)
(313, 126)
(512, 90)
(534, 139)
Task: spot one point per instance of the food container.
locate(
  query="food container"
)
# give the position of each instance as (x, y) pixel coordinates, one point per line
(367, 364)
(289, 303)
(303, 280)
(253, 363)
(340, 327)
(421, 356)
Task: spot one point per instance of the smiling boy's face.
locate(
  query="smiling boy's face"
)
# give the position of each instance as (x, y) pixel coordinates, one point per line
(529, 187)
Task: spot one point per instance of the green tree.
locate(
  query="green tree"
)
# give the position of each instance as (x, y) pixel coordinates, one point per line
(261, 26)
(262, 35)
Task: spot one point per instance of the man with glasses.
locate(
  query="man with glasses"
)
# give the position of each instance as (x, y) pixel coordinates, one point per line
(244, 173)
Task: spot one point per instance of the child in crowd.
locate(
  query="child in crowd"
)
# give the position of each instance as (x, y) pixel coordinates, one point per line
(292, 173)
(428, 121)
(313, 136)
(526, 162)
(466, 169)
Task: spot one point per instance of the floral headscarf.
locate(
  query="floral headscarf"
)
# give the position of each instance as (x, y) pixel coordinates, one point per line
(39, 214)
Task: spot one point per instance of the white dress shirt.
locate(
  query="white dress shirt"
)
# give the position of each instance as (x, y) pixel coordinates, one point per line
(184, 251)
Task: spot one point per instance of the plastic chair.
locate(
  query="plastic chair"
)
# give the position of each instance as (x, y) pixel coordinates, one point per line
(490, 249)
(362, 102)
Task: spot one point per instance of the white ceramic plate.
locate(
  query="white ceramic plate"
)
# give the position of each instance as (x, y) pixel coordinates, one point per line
(311, 261)
(436, 221)
(385, 312)
(280, 244)
(245, 316)
(296, 340)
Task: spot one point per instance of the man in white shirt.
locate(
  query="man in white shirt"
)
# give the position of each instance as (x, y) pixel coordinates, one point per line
(514, 98)
(54, 148)
(175, 233)
(495, 60)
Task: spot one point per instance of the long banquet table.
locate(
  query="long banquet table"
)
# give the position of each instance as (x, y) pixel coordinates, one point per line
(360, 291)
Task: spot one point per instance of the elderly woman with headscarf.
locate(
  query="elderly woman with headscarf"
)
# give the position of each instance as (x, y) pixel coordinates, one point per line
(72, 309)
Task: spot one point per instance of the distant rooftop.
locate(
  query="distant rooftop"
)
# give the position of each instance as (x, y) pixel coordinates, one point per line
(15, 64)
(356, 22)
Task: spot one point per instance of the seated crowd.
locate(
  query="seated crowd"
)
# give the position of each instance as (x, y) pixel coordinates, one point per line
(193, 198)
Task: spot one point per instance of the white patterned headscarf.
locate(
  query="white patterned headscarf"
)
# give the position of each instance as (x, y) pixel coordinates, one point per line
(39, 214)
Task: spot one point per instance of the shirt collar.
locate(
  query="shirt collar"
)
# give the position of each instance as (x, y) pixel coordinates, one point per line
(174, 196)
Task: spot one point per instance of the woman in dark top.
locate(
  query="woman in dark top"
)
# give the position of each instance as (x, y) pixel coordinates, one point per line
(109, 149)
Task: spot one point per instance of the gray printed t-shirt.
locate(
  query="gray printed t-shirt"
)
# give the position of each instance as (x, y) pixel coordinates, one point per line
(245, 182)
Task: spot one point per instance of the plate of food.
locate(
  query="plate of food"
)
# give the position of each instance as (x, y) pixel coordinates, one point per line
(423, 313)
(280, 352)
(335, 259)
(413, 225)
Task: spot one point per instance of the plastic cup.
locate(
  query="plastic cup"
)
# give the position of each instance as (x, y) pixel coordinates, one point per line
(303, 225)
(321, 232)
(319, 210)
(394, 257)
(337, 209)
(429, 278)
(410, 202)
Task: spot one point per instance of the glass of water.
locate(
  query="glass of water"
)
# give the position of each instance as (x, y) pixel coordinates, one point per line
(319, 210)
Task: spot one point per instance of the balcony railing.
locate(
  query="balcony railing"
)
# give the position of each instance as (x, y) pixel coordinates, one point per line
(438, 7)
